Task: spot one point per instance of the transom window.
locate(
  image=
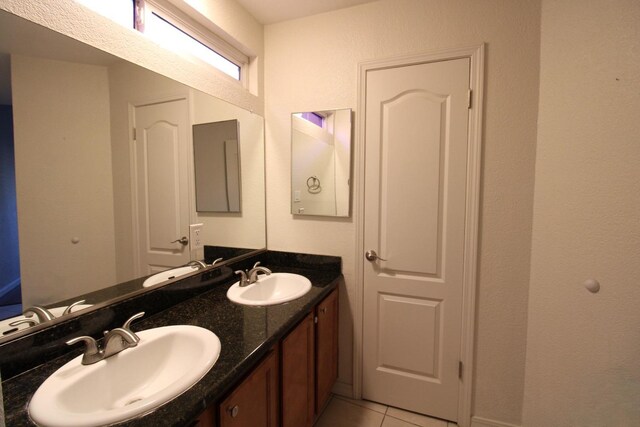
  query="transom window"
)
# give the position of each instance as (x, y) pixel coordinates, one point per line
(174, 30)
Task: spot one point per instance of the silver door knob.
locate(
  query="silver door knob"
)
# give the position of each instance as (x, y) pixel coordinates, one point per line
(371, 255)
(183, 241)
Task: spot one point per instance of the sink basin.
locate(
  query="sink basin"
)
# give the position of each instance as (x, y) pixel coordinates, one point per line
(275, 288)
(173, 273)
(166, 362)
(6, 329)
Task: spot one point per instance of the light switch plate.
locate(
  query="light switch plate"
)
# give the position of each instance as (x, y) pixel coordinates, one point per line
(195, 236)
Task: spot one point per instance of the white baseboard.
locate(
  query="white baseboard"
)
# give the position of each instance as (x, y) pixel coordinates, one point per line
(343, 389)
(485, 422)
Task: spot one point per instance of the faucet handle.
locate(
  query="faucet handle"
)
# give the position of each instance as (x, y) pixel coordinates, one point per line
(41, 313)
(91, 354)
(90, 342)
(214, 261)
(127, 324)
(256, 264)
(68, 309)
(28, 321)
(244, 281)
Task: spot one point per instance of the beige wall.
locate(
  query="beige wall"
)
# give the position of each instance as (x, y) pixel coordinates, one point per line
(583, 352)
(300, 77)
(247, 228)
(72, 19)
(63, 178)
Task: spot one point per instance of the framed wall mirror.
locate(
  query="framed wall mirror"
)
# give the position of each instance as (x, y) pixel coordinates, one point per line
(321, 163)
(98, 168)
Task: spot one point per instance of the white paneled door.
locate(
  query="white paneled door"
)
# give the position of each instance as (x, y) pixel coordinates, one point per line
(416, 134)
(160, 152)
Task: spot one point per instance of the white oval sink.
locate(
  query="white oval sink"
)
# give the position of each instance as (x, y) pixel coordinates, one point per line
(173, 273)
(166, 362)
(275, 288)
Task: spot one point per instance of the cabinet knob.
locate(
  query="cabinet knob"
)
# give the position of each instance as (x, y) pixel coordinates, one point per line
(233, 411)
(323, 310)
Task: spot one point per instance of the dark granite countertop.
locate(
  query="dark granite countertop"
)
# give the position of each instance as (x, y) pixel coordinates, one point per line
(246, 334)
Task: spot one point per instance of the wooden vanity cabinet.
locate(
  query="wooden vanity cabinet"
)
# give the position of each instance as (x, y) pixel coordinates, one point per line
(293, 382)
(326, 349)
(309, 364)
(298, 375)
(254, 403)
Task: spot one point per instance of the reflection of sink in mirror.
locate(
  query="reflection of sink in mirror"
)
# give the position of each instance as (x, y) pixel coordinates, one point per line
(7, 329)
(276, 288)
(166, 362)
(173, 273)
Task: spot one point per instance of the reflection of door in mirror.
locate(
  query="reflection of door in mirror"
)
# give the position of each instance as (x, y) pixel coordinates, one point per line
(161, 186)
(217, 166)
(320, 162)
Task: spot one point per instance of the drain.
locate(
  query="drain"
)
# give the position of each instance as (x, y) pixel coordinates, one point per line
(133, 401)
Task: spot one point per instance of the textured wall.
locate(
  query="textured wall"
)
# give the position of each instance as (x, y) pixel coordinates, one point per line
(70, 18)
(63, 178)
(583, 353)
(301, 74)
(246, 230)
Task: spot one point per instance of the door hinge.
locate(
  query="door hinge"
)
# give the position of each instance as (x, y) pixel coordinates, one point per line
(460, 369)
(135, 134)
(470, 99)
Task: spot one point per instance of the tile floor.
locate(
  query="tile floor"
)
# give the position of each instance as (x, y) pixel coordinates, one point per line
(344, 412)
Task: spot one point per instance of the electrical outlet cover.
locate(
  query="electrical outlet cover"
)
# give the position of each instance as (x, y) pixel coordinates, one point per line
(195, 236)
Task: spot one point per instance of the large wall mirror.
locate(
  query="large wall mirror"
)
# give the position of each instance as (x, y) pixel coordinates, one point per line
(97, 174)
(321, 163)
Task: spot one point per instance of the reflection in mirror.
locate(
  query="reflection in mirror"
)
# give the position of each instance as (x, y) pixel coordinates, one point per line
(217, 166)
(321, 163)
(103, 190)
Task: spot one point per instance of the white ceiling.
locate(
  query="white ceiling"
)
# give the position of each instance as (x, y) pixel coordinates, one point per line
(272, 11)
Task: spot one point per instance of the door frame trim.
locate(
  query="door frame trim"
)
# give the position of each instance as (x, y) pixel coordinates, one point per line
(134, 197)
(472, 220)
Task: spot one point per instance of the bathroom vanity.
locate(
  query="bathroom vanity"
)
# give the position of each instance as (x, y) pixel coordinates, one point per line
(277, 363)
(291, 384)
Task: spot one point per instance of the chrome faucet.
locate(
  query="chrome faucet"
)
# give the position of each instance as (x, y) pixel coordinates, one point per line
(195, 262)
(68, 309)
(201, 264)
(250, 277)
(257, 268)
(115, 341)
(41, 313)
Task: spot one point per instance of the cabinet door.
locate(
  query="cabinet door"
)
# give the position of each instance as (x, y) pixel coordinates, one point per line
(254, 403)
(298, 375)
(206, 419)
(326, 348)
